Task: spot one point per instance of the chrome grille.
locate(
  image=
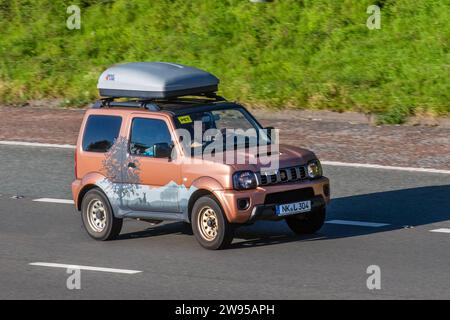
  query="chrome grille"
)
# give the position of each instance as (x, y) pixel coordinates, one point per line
(294, 175)
(282, 175)
(263, 179)
(302, 172)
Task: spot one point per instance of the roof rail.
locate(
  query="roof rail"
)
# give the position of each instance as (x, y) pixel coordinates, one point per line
(152, 105)
(201, 98)
(109, 103)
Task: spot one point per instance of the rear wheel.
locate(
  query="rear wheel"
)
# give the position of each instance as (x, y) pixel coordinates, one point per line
(307, 224)
(98, 218)
(209, 224)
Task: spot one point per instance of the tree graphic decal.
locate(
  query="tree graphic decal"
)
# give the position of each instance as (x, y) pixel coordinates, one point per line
(124, 187)
(122, 170)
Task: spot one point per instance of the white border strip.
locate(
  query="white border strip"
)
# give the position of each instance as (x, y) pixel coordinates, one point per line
(358, 223)
(36, 144)
(328, 163)
(74, 266)
(377, 166)
(441, 230)
(51, 200)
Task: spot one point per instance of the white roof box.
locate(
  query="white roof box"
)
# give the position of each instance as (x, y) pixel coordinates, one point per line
(155, 80)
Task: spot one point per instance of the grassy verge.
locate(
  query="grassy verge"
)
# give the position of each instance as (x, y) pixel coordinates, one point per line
(286, 54)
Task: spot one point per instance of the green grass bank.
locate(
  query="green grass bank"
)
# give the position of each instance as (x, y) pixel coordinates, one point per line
(308, 54)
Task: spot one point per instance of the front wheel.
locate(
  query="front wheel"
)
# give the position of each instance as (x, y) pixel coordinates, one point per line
(98, 217)
(209, 224)
(308, 223)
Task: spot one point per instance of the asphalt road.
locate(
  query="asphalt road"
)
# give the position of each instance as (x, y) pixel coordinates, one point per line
(266, 261)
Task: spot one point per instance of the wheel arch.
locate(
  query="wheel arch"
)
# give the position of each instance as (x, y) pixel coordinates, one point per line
(205, 187)
(83, 192)
(88, 182)
(197, 195)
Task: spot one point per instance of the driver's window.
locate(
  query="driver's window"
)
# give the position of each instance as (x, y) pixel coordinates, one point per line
(150, 137)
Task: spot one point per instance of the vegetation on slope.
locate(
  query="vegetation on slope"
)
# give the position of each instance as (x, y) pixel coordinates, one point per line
(316, 54)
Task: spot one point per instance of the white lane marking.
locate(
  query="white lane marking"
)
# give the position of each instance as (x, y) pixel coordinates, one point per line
(358, 223)
(36, 144)
(442, 230)
(325, 162)
(377, 166)
(89, 268)
(51, 200)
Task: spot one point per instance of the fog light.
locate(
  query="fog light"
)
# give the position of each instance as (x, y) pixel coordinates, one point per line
(243, 204)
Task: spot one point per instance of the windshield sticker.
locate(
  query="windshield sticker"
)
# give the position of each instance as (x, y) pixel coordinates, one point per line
(185, 119)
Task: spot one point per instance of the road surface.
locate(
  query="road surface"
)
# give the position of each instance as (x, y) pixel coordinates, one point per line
(378, 217)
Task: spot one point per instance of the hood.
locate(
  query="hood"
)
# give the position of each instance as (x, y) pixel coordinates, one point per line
(255, 159)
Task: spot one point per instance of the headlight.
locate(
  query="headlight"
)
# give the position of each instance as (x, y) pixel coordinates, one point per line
(243, 180)
(314, 169)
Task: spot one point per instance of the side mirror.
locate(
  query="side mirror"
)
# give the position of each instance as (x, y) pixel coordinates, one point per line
(162, 150)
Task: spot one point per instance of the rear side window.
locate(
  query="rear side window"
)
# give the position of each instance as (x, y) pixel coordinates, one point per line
(100, 133)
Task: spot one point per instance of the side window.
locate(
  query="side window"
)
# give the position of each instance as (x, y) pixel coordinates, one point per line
(151, 138)
(100, 132)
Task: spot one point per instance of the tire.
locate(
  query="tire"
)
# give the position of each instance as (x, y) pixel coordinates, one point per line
(98, 217)
(209, 224)
(311, 223)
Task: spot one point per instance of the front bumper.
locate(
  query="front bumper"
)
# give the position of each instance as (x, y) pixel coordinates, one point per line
(258, 199)
(267, 212)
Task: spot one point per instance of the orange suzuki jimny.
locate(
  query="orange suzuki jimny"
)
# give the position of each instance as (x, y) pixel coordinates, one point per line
(162, 145)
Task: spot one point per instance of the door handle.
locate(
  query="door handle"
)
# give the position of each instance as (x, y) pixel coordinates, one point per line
(131, 165)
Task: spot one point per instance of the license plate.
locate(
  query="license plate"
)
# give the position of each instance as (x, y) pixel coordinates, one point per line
(293, 208)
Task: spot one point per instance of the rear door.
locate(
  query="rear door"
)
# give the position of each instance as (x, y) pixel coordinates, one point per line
(158, 177)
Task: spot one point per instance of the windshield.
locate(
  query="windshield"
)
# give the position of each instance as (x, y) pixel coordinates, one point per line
(233, 127)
